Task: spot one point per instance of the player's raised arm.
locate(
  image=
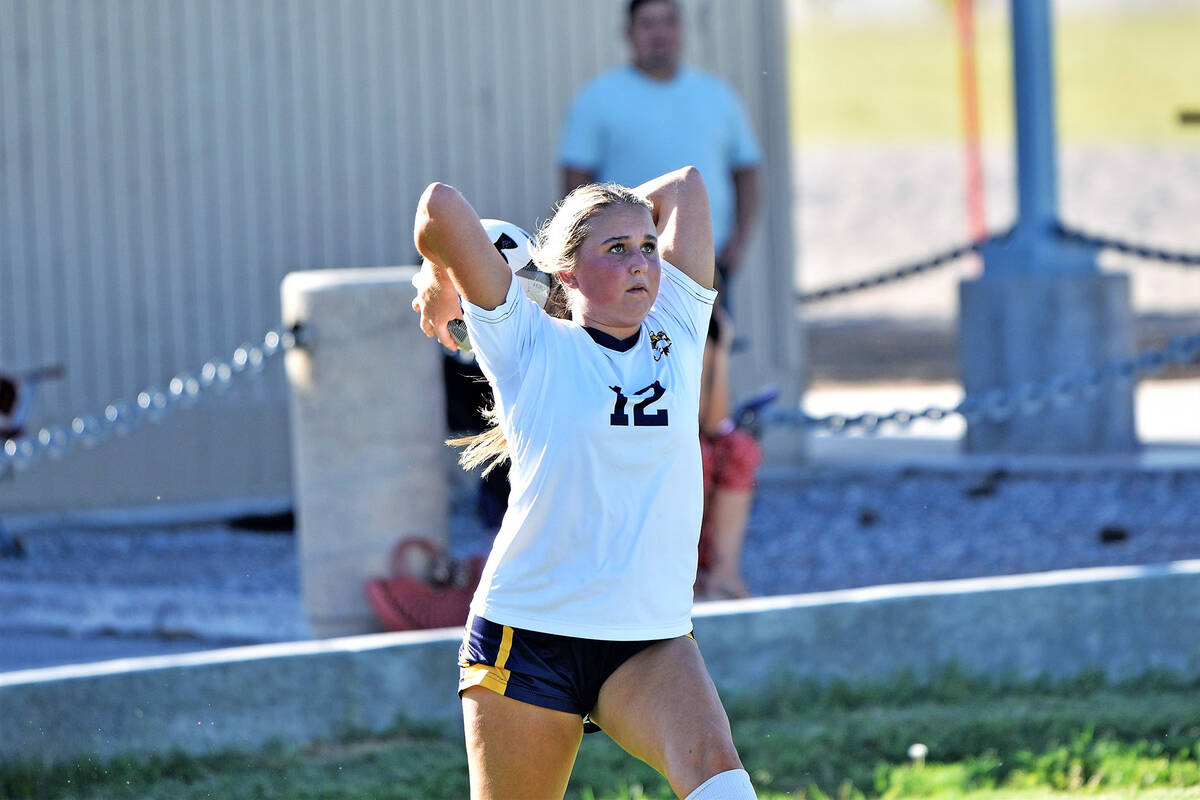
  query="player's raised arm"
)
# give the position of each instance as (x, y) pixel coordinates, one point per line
(683, 220)
(459, 260)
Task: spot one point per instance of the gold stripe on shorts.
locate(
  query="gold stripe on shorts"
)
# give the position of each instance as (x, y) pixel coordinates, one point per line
(488, 677)
(494, 678)
(505, 647)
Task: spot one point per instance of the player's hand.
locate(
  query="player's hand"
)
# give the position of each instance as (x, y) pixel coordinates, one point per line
(437, 302)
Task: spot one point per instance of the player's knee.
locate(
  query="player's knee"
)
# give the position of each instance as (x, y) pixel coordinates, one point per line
(722, 757)
(710, 750)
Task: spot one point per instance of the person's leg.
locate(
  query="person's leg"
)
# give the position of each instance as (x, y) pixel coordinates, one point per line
(736, 457)
(704, 554)
(662, 707)
(727, 513)
(516, 750)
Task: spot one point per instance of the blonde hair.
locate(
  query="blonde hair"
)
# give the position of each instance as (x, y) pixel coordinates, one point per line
(556, 250)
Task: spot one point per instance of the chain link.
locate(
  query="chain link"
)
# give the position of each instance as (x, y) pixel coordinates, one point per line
(150, 405)
(953, 254)
(1027, 399)
(906, 271)
(998, 405)
(1141, 251)
(184, 390)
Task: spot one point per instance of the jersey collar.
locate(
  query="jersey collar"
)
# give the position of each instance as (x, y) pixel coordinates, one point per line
(611, 342)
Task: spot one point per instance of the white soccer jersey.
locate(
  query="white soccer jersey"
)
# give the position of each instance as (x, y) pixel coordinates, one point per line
(599, 540)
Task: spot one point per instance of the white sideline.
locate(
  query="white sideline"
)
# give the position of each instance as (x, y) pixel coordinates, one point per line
(957, 586)
(253, 652)
(1120, 620)
(378, 641)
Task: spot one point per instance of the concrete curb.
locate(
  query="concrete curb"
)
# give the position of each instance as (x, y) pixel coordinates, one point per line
(242, 697)
(1122, 620)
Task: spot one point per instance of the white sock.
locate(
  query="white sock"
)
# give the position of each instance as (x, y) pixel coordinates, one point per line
(731, 785)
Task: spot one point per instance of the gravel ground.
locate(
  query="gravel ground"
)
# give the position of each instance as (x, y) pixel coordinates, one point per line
(819, 529)
(811, 529)
(841, 530)
(91, 595)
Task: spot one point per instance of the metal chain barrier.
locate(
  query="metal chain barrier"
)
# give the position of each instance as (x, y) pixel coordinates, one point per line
(953, 254)
(999, 405)
(184, 390)
(1141, 251)
(153, 404)
(906, 271)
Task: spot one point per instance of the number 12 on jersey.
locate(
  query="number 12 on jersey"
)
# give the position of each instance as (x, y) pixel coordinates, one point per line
(641, 414)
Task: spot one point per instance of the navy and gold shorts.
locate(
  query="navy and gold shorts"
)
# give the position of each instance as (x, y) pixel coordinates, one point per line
(560, 672)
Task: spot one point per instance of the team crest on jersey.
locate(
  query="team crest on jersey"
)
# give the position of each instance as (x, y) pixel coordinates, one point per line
(660, 343)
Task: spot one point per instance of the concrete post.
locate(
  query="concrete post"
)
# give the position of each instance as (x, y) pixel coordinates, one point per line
(1042, 308)
(1032, 328)
(368, 424)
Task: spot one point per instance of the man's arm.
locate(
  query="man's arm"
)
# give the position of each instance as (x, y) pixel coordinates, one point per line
(574, 177)
(746, 207)
(715, 405)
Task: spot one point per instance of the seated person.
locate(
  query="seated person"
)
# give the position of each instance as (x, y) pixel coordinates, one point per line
(731, 457)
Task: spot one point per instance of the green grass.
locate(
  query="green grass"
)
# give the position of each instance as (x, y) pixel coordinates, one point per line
(1119, 77)
(987, 740)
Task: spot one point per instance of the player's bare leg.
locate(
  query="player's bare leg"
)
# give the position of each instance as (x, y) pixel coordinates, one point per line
(662, 707)
(517, 750)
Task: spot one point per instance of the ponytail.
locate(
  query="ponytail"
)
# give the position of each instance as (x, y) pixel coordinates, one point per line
(489, 448)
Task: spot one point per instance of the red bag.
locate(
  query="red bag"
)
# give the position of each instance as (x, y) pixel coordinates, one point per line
(439, 598)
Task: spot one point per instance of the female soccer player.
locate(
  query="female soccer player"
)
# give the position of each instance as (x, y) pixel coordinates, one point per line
(583, 613)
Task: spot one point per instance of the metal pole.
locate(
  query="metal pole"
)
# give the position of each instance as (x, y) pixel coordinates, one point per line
(1035, 246)
(1033, 95)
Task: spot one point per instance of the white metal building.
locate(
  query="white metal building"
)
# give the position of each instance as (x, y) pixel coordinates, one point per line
(164, 165)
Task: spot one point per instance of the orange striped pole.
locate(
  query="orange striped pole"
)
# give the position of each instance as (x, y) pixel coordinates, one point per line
(973, 162)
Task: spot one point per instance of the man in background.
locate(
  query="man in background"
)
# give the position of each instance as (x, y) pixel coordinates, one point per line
(655, 115)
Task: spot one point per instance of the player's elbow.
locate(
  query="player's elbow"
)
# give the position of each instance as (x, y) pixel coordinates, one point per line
(689, 184)
(434, 206)
(690, 178)
(691, 195)
(437, 199)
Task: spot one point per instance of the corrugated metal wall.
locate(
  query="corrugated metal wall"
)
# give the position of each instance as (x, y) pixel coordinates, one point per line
(164, 164)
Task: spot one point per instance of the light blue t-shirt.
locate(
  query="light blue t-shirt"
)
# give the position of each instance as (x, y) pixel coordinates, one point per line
(626, 127)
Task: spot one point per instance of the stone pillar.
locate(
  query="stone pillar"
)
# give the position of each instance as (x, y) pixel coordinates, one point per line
(1017, 328)
(367, 427)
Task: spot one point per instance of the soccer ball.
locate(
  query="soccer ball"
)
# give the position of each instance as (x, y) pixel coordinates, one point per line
(516, 246)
